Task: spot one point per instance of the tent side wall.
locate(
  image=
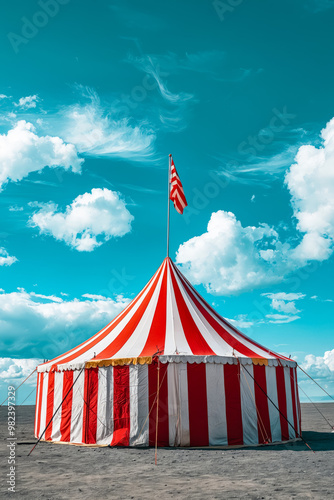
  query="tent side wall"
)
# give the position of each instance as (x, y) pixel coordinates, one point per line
(204, 404)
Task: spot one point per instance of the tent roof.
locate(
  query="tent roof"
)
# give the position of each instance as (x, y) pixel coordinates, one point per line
(168, 317)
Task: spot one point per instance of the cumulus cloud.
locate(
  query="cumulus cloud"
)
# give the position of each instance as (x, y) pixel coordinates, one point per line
(27, 102)
(284, 302)
(5, 258)
(88, 222)
(13, 369)
(39, 326)
(22, 151)
(96, 131)
(310, 181)
(320, 366)
(230, 258)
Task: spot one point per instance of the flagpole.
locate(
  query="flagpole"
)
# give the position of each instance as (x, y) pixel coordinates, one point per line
(168, 201)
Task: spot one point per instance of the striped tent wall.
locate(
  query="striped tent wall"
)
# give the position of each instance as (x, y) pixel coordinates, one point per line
(200, 404)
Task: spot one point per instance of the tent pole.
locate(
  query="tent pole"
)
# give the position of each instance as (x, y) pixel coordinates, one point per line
(168, 203)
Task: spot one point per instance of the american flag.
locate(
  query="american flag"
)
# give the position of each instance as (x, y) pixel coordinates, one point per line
(176, 191)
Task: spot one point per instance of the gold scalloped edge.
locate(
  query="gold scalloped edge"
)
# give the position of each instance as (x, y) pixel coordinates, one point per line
(260, 361)
(144, 360)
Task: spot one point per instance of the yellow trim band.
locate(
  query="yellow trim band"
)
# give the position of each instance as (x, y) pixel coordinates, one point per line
(260, 361)
(144, 360)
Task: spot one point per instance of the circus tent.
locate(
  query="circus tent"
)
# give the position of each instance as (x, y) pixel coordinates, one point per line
(168, 370)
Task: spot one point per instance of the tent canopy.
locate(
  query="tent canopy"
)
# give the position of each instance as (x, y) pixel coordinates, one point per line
(168, 317)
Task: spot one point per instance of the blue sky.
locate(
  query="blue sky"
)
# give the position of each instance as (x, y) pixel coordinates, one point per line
(93, 98)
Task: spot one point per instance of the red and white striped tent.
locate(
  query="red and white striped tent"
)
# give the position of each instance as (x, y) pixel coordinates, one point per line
(216, 385)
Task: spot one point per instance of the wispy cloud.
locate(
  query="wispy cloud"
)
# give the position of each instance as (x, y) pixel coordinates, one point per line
(152, 66)
(269, 153)
(281, 318)
(101, 130)
(215, 64)
(318, 299)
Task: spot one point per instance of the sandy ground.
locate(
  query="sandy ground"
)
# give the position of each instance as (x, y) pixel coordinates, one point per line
(68, 472)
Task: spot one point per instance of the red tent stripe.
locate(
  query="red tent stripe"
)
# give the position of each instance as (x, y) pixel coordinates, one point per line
(224, 334)
(121, 435)
(157, 335)
(261, 402)
(40, 399)
(281, 394)
(298, 400)
(194, 338)
(223, 320)
(90, 404)
(66, 409)
(40, 378)
(163, 423)
(49, 405)
(293, 396)
(129, 328)
(74, 353)
(198, 405)
(233, 404)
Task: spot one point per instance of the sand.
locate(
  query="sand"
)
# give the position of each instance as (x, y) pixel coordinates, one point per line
(68, 472)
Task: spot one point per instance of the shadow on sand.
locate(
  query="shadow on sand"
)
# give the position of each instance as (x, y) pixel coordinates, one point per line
(318, 441)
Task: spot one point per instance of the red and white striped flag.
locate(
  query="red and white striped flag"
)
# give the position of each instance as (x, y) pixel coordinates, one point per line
(176, 190)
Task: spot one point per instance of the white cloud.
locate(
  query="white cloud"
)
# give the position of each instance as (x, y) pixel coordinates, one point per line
(5, 258)
(151, 66)
(3, 96)
(319, 366)
(99, 132)
(310, 181)
(27, 102)
(285, 296)
(93, 296)
(91, 220)
(12, 369)
(22, 152)
(281, 318)
(284, 302)
(318, 299)
(34, 327)
(15, 208)
(241, 321)
(229, 258)
(52, 298)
